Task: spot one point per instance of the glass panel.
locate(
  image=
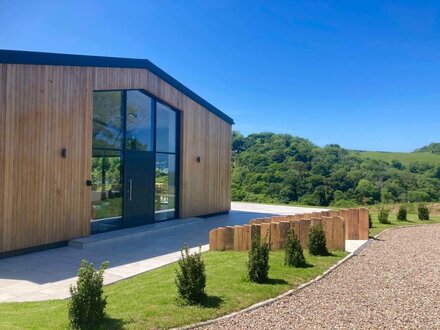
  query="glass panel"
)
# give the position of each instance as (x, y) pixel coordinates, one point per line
(107, 122)
(166, 129)
(165, 195)
(139, 133)
(106, 184)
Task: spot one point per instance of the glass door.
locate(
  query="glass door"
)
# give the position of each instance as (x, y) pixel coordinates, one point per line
(139, 160)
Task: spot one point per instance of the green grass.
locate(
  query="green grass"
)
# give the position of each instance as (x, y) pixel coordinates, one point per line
(148, 300)
(403, 157)
(412, 220)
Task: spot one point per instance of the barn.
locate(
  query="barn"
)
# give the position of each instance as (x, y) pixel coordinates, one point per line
(91, 144)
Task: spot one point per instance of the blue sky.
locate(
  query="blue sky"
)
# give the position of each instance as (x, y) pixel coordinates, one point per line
(363, 74)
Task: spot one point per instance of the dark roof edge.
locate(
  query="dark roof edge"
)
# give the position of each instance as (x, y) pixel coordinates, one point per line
(40, 58)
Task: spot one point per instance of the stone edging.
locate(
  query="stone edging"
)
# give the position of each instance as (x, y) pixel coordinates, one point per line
(281, 296)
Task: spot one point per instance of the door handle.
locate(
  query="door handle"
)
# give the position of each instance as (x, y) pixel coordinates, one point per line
(130, 189)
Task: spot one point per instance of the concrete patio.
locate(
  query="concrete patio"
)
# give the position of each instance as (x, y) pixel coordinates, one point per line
(48, 274)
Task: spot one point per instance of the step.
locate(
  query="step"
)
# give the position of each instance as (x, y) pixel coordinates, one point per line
(130, 233)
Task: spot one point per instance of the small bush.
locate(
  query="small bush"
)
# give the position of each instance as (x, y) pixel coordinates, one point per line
(383, 216)
(190, 277)
(294, 255)
(317, 244)
(86, 307)
(258, 263)
(401, 214)
(423, 212)
(370, 221)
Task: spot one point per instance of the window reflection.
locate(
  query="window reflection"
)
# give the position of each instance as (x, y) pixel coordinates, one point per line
(106, 191)
(166, 129)
(165, 196)
(107, 121)
(139, 133)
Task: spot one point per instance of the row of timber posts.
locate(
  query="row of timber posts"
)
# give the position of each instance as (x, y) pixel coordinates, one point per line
(338, 225)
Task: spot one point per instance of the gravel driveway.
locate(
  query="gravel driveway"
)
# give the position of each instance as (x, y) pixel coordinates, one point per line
(393, 283)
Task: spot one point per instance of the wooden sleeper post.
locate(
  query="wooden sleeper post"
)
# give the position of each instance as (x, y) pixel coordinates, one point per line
(304, 227)
(275, 235)
(238, 238)
(221, 232)
(339, 233)
(229, 238)
(265, 232)
(213, 240)
(327, 225)
(284, 231)
(255, 233)
(364, 225)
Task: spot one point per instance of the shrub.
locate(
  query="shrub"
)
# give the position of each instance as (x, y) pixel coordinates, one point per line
(258, 263)
(401, 214)
(423, 212)
(86, 307)
(383, 216)
(317, 244)
(190, 277)
(370, 221)
(294, 255)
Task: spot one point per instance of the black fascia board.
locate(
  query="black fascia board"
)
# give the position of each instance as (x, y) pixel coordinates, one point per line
(40, 58)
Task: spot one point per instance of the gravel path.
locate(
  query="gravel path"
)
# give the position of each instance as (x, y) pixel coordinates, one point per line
(394, 283)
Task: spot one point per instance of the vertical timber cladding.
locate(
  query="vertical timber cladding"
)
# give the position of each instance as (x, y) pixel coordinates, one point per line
(44, 108)
(3, 72)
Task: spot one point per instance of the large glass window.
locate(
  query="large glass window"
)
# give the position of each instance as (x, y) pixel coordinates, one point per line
(128, 126)
(107, 120)
(165, 196)
(139, 135)
(106, 192)
(165, 129)
(166, 132)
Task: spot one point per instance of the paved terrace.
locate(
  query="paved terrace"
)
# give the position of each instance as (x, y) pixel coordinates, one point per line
(48, 274)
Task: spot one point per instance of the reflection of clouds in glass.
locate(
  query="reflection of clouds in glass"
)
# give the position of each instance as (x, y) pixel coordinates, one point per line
(107, 120)
(165, 128)
(139, 121)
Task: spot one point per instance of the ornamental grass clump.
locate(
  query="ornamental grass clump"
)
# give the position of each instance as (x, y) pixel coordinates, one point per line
(401, 214)
(423, 212)
(86, 307)
(317, 243)
(293, 252)
(190, 277)
(383, 216)
(258, 262)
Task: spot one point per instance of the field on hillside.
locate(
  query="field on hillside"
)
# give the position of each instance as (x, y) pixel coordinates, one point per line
(404, 157)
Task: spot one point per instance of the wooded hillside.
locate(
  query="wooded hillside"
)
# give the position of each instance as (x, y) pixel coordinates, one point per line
(270, 167)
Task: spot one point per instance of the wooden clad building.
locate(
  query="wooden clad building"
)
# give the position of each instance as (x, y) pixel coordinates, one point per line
(89, 144)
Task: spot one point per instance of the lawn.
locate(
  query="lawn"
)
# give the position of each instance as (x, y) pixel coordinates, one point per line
(403, 157)
(148, 300)
(412, 217)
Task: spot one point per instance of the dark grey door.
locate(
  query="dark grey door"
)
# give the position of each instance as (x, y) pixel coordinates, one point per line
(139, 188)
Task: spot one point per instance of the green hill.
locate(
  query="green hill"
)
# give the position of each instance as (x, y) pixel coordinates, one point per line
(268, 167)
(433, 147)
(404, 157)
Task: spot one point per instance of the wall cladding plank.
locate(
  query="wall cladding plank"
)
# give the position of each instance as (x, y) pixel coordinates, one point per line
(46, 108)
(3, 77)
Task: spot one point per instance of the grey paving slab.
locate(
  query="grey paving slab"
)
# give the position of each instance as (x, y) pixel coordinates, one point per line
(48, 274)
